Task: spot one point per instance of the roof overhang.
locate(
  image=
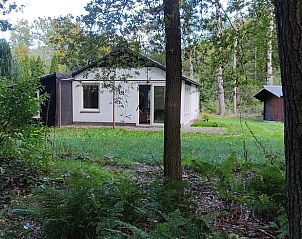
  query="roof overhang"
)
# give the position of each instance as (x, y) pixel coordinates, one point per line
(269, 91)
(140, 61)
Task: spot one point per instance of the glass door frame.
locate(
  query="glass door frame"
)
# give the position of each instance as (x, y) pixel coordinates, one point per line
(152, 104)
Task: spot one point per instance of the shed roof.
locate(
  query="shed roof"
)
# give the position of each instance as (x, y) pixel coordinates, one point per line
(269, 90)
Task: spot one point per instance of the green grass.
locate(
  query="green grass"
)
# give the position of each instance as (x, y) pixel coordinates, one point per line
(205, 124)
(124, 146)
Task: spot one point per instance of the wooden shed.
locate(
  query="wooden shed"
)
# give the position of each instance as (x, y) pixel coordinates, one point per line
(272, 98)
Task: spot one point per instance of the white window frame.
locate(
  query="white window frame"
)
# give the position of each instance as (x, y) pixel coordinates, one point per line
(87, 110)
(152, 104)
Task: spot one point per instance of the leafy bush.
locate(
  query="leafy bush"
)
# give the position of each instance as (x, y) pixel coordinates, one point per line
(18, 106)
(268, 186)
(260, 186)
(178, 226)
(84, 206)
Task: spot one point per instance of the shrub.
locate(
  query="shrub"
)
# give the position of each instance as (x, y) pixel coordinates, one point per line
(268, 186)
(18, 106)
(85, 209)
(261, 187)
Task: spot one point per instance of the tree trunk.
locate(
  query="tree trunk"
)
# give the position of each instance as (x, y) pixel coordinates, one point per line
(219, 71)
(289, 22)
(255, 64)
(235, 89)
(172, 153)
(191, 66)
(269, 74)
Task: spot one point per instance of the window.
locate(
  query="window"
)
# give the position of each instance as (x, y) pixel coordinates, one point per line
(91, 96)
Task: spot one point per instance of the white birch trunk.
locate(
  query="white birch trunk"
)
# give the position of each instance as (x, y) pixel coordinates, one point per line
(269, 74)
(191, 66)
(219, 71)
(235, 89)
(255, 64)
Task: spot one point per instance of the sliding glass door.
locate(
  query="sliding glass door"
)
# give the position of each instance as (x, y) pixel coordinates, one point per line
(159, 104)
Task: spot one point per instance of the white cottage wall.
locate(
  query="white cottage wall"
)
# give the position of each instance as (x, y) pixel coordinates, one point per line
(127, 109)
(194, 102)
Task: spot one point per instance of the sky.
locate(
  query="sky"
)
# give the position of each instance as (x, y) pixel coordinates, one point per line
(46, 8)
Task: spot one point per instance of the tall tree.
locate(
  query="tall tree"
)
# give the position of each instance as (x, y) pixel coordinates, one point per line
(172, 153)
(289, 24)
(21, 40)
(269, 74)
(54, 65)
(235, 46)
(5, 59)
(73, 43)
(219, 70)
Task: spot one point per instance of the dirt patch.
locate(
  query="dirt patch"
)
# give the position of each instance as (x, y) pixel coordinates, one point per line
(185, 129)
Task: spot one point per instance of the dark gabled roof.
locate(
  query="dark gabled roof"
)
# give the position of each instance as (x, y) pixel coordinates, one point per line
(269, 90)
(56, 76)
(122, 57)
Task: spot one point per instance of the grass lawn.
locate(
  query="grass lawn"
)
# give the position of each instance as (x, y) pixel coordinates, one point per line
(125, 146)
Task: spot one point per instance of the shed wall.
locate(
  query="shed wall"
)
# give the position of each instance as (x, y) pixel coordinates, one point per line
(273, 109)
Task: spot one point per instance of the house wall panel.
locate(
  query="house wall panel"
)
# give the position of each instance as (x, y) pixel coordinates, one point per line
(194, 103)
(126, 107)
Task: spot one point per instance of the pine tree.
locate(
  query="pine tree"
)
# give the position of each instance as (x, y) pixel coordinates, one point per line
(5, 59)
(54, 66)
(172, 144)
(289, 24)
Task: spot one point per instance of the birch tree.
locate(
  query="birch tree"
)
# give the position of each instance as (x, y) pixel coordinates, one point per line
(269, 75)
(235, 89)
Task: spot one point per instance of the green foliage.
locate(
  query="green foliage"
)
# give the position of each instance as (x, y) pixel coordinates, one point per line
(205, 124)
(73, 44)
(54, 67)
(21, 35)
(178, 226)
(260, 186)
(83, 206)
(5, 59)
(17, 175)
(19, 105)
(268, 184)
